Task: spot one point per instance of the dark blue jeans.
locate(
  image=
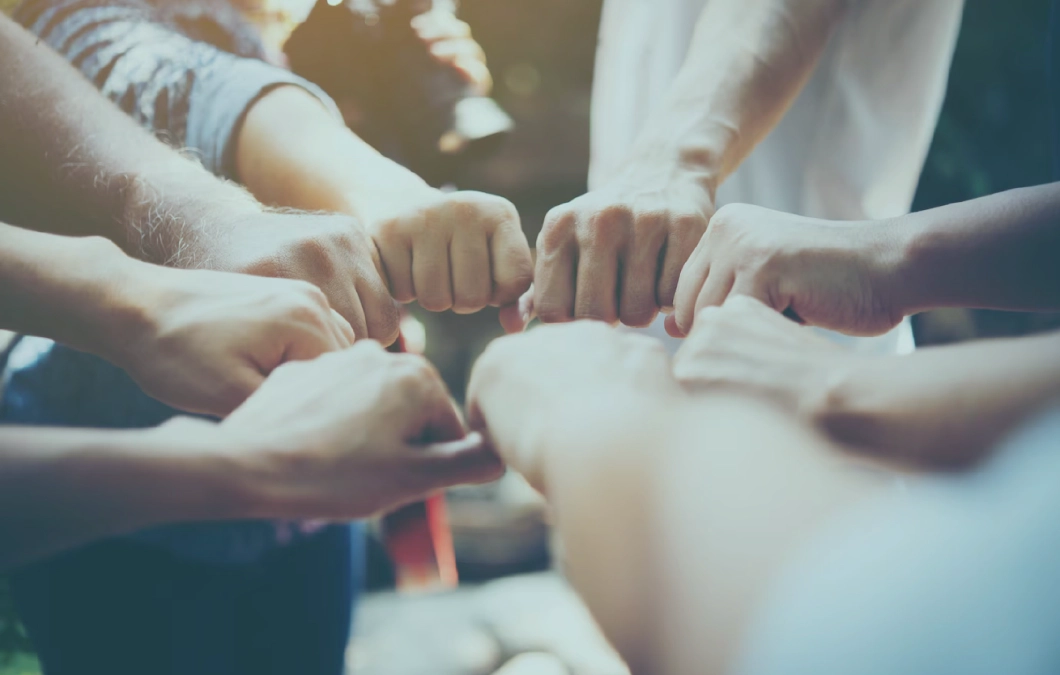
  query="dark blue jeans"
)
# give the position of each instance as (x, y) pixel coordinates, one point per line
(123, 607)
(193, 599)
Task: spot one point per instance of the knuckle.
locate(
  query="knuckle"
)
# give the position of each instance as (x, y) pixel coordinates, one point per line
(558, 230)
(553, 314)
(610, 225)
(470, 303)
(639, 315)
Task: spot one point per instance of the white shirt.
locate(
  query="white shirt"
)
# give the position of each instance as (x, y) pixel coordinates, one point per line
(853, 144)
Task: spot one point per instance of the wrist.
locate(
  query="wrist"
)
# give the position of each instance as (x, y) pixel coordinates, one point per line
(911, 266)
(695, 162)
(844, 408)
(171, 214)
(211, 477)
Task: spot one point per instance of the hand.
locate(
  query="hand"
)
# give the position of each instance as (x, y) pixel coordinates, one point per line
(355, 433)
(333, 253)
(449, 40)
(748, 346)
(834, 275)
(204, 341)
(525, 386)
(460, 251)
(615, 254)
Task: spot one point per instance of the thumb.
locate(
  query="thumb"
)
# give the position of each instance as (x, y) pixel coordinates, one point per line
(517, 316)
(241, 385)
(468, 460)
(672, 328)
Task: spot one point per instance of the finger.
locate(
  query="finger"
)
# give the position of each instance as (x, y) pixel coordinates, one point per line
(440, 24)
(683, 240)
(344, 331)
(381, 314)
(637, 300)
(240, 385)
(430, 271)
(554, 285)
(470, 460)
(715, 289)
(597, 281)
(446, 423)
(672, 328)
(475, 73)
(395, 255)
(452, 50)
(690, 283)
(510, 262)
(470, 260)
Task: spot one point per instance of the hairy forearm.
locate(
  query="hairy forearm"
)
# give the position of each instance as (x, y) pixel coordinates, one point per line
(63, 488)
(675, 515)
(747, 64)
(74, 164)
(997, 252)
(292, 152)
(944, 405)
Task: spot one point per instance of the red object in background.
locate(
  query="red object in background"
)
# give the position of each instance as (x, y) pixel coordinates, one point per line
(419, 541)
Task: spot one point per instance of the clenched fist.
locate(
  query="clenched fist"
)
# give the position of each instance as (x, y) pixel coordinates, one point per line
(204, 341)
(332, 252)
(462, 251)
(615, 254)
(835, 275)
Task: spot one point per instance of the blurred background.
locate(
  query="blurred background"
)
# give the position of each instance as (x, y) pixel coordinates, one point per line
(993, 136)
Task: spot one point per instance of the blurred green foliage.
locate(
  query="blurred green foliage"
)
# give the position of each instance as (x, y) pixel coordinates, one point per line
(15, 649)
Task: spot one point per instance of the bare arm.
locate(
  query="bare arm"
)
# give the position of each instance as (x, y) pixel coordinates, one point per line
(461, 251)
(630, 237)
(747, 64)
(74, 164)
(941, 405)
(344, 449)
(862, 278)
(674, 510)
(997, 252)
(61, 488)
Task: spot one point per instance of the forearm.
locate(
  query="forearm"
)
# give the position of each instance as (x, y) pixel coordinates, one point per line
(944, 405)
(292, 151)
(997, 252)
(72, 290)
(63, 488)
(747, 64)
(75, 164)
(673, 538)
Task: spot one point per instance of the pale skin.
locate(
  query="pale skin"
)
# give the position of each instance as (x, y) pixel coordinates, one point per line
(616, 253)
(368, 432)
(198, 340)
(81, 167)
(941, 406)
(679, 503)
(462, 251)
(863, 278)
(670, 540)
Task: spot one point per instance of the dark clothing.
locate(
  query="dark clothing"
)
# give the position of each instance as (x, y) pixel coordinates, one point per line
(122, 608)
